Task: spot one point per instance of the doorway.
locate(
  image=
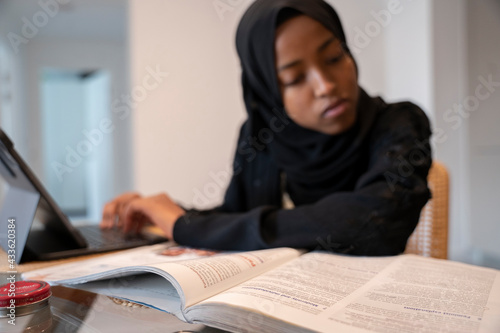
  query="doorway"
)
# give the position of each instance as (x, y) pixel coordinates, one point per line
(77, 149)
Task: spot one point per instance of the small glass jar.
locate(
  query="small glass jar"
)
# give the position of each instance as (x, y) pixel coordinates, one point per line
(24, 305)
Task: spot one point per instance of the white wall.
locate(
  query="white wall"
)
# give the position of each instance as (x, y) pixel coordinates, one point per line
(5, 88)
(409, 66)
(450, 77)
(12, 80)
(483, 121)
(185, 129)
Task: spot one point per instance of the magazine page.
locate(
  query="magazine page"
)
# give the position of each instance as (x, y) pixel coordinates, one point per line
(151, 290)
(195, 274)
(80, 271)
(297, 293)
(155, 291)
(425, 295)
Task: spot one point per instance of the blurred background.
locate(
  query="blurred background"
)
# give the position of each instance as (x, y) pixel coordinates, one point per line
(106, 96)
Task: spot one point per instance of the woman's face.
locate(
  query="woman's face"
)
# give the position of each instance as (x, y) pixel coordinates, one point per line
(318, 80)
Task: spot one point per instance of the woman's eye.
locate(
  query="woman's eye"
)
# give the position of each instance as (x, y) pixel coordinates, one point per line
(293, 82)
(336, 59)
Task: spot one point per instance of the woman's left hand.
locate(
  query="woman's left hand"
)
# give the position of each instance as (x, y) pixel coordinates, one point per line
(159, 210)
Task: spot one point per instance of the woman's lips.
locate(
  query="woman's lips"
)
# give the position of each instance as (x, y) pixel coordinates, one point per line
(335, 110)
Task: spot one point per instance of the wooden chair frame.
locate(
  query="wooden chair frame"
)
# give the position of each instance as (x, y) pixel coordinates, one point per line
(430, 238)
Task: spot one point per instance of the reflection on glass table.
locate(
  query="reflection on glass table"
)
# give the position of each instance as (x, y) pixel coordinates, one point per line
(74, 310)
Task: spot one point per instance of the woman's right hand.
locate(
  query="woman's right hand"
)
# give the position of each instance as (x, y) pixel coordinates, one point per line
(131, 211)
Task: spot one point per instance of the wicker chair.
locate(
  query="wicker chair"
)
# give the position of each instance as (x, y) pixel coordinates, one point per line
(430, 238)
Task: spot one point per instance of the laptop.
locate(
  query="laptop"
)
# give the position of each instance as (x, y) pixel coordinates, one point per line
(33, 226)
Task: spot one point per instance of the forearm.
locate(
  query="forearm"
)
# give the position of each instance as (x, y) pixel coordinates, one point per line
(355, 223)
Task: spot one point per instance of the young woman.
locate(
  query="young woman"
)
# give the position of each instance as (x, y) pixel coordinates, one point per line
(319, 163)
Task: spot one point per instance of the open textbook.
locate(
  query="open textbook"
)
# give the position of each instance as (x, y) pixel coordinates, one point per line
(287, 290)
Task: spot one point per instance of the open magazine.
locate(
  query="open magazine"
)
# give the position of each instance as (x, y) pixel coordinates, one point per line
(287, 290)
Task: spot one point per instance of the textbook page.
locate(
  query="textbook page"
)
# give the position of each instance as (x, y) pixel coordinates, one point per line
(297, 293)
(416, 294)
(202, 278)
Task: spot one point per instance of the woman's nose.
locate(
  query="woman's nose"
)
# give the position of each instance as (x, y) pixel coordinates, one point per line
(323, 83)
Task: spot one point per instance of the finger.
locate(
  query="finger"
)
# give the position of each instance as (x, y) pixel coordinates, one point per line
(132, 210)
(112, 209)
(141, 220)
(122, 204)
(120, 209)
(108, 215)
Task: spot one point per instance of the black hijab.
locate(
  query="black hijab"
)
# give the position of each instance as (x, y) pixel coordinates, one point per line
(315, 164)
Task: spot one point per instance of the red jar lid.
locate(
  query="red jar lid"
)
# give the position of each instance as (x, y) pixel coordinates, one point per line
(24, 293)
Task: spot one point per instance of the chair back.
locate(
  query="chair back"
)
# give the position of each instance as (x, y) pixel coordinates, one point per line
(430, 237)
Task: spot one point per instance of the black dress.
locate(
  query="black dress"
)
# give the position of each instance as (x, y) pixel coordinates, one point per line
(373, 211)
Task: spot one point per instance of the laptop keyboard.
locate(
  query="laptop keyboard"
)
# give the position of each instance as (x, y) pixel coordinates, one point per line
(98, 238)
